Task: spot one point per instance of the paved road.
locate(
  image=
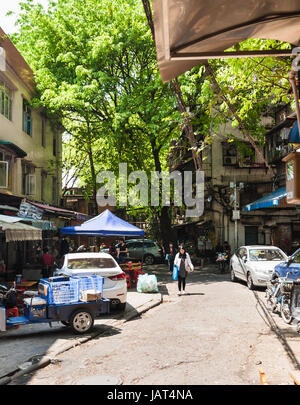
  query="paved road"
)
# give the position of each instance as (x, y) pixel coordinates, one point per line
(220, 333)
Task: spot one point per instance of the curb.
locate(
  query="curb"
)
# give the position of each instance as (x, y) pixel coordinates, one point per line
(46, 360)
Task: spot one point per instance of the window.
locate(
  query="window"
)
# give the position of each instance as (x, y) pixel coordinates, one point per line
(5, 101)
(43, 132)
(92, 210)
(54, 190)
(3, 174)
(30, 184)
(149, 244)
(5, 170)
(43, 185)
(28, 179)
(27, 121)
(54, 144)
(265, 255)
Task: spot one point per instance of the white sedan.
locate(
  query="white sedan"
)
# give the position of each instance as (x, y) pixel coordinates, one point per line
(255, 264)
(101, 264)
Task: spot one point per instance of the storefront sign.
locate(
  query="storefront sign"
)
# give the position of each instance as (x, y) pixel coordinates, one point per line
(29, 211)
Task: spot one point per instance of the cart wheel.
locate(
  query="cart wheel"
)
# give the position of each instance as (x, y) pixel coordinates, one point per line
(81, 321)
(65, 323)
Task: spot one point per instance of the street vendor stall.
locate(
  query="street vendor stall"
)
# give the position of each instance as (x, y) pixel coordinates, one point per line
(108, 224)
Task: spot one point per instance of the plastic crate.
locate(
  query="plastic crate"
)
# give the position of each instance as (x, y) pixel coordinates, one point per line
(91, 283)
(58, 291)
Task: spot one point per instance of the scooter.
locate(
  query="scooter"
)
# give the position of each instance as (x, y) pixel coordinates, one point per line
(222, 260)
(278, 295)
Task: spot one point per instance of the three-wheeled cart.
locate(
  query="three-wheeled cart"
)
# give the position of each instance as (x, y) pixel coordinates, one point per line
(74, 301)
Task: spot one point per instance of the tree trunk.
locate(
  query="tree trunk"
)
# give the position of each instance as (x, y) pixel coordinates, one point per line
(164, 217)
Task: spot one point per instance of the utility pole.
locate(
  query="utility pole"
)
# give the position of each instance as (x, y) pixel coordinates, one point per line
(236, 211)
(235, 219)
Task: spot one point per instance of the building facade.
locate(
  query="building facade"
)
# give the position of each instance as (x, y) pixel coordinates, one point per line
(30, 145)
(236, 176)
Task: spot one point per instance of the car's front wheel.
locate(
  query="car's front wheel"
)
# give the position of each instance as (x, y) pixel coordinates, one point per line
(250, 282)
(232, 275)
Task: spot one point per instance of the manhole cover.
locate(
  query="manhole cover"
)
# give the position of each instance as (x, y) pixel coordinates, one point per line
(100, 380)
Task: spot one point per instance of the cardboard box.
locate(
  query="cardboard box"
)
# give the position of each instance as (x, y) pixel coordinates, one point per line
(90, 295)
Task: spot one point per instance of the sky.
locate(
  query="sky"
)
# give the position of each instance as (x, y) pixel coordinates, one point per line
(7, 22)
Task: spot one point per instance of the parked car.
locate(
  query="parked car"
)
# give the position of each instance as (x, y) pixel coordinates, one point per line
(101, 264)
(149, 252)
(255, 264)
(291, 265)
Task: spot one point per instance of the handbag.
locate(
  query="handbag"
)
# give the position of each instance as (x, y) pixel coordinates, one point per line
(188, 268)
(175, 272)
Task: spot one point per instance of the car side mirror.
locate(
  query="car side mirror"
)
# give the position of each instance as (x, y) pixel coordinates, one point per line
(244, 258)
(289, 261)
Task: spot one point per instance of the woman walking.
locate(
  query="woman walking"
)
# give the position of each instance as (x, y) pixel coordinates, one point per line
(185, 265)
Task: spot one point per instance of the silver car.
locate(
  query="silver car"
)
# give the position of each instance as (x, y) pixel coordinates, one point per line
(255, 264)
(148, 250)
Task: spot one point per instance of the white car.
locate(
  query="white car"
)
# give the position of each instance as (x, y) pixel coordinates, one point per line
(255, 264)
(101, 264)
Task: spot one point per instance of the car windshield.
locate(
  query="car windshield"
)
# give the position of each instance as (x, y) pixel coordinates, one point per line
(91, 263)
(266, 255)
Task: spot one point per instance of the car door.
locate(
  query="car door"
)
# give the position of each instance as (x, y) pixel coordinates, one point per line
(240, 269)
(235, 263)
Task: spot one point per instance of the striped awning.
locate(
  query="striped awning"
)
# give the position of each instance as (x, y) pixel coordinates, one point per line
(16, 231)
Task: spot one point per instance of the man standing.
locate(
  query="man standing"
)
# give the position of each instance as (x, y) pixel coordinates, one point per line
(122, 252)
(48, 262)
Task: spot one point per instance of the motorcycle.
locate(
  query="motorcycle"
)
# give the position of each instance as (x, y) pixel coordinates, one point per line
(278, 295)
(8, 296)
(222, 260)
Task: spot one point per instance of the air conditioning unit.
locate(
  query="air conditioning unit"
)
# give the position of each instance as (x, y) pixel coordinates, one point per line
(230, 160)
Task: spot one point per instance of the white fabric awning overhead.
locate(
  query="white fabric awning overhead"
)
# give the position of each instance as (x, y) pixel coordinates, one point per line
(16, 231)
(190, 31)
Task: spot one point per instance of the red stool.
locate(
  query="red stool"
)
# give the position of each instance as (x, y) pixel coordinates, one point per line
(128, 281)
(12, 312)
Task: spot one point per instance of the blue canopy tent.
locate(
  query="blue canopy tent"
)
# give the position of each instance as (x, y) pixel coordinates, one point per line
(105, 224)
(267, 201)
(294, 134)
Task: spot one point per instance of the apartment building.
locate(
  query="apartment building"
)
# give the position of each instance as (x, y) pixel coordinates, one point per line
(30, 145)
(235, 179)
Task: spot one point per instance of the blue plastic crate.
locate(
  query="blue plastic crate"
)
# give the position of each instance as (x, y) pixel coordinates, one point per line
(59, 291)
(91, 283)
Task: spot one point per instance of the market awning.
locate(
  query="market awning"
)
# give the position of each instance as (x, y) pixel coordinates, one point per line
(190, 31)
(16, 231)
(267, 201)
(56, 211)
(18, 151)
(104, 224)
(294, 136)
